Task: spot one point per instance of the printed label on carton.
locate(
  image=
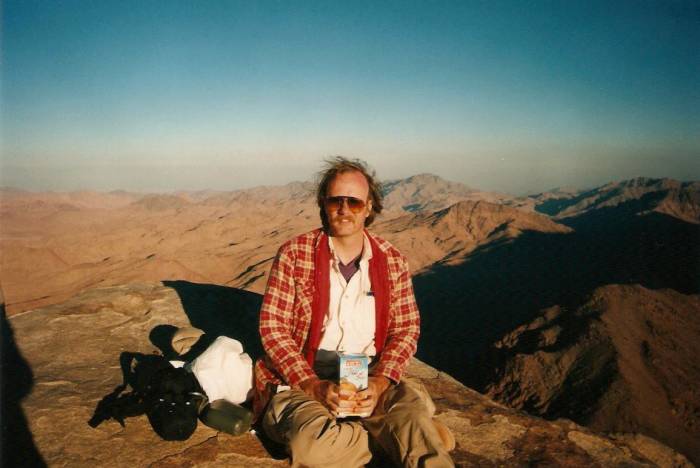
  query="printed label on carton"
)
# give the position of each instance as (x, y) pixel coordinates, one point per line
(354, 375)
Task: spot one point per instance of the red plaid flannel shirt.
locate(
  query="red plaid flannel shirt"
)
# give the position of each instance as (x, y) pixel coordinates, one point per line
(285, 316)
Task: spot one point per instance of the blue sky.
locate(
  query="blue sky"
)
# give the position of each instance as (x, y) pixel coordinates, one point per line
(511, 96)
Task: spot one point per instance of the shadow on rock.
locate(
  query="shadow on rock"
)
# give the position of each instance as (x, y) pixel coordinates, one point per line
(218, 311)
(18, 447)
(161, 336)
(118, 405)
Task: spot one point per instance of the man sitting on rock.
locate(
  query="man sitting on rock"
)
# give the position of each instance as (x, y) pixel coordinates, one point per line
(341, 289)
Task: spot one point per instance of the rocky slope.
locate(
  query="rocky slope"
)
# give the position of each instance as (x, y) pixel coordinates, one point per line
(626, 360)
(66, 359)
(448, 235)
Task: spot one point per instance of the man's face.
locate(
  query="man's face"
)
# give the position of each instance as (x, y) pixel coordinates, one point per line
(342, 221)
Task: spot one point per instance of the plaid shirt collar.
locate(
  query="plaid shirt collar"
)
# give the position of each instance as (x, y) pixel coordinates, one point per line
(368, 235)
(366, 254)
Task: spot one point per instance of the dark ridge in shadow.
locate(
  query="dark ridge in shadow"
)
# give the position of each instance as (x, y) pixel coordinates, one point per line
(598, 363)
(413, 207)
(645, 202)
(580, 400)
(219, 311)
(556, 205)
(18, 448)
(466, 307)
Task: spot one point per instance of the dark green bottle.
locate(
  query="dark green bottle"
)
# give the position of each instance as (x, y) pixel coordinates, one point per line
(228, 417)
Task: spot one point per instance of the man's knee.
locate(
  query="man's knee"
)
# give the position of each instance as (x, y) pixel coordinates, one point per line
(408, 400)
(329, 443)
(307, 450)
(287, 412)
(304, 452)
(312, 435)
(405, 431)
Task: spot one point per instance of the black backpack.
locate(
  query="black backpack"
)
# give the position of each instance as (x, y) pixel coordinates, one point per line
(172, 404)
(170, 397)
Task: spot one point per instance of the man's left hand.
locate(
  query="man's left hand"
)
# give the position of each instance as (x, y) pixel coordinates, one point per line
(367, 399)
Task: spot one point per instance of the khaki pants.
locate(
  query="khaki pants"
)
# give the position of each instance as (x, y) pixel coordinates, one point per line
(401, 427)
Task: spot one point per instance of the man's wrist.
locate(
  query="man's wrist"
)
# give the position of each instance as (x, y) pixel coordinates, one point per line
(382, 383)
(307, 386)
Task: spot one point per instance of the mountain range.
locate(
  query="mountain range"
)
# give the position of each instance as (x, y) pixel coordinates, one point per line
(570, 303)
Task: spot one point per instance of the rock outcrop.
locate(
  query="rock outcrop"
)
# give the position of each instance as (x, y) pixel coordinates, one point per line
(73, 348)
(625, 361)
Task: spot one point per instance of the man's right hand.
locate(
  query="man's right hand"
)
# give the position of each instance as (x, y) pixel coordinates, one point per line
(325, 392)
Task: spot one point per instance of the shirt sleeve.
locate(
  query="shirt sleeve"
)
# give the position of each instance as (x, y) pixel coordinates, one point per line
(276, 321)
(404, 328)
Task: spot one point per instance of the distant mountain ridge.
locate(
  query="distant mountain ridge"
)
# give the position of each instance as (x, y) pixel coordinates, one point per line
(419, 193)
(428, 192)
(83, 199)
(678, 199)
(225, 236)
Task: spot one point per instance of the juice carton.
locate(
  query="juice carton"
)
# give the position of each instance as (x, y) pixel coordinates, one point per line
(353, 375)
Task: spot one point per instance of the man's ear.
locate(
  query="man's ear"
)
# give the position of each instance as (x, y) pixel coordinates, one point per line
(369, 208)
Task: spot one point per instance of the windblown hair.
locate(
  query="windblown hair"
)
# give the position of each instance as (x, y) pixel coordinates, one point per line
(340, 165)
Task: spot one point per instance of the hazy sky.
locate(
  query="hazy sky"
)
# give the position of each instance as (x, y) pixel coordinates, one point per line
(516, 96)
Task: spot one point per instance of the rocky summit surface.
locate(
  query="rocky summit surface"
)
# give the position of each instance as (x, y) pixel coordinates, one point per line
(64, 358)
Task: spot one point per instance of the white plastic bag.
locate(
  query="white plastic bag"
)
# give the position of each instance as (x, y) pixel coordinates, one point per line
(224, 371)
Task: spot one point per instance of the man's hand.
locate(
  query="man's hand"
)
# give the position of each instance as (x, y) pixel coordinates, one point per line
(325, 392)
(366, 400)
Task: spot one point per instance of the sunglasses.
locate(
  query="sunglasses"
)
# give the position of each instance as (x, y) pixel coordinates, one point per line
(354, 204)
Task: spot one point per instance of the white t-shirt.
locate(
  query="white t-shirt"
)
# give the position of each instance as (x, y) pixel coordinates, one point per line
(350, 321)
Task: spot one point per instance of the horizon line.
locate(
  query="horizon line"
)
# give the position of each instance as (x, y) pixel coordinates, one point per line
(10, 188)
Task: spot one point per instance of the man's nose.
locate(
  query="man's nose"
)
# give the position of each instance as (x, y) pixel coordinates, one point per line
(342, 205)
